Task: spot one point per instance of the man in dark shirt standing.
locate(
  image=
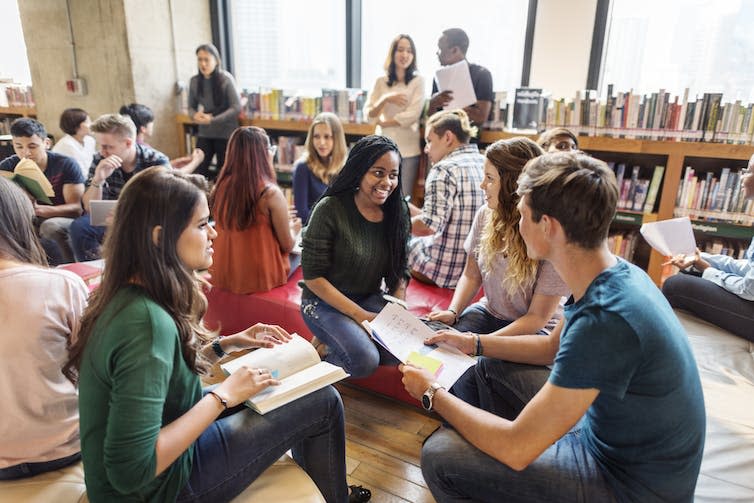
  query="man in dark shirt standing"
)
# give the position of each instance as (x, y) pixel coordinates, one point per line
(30, 142)
(451, 48)
(119, 158)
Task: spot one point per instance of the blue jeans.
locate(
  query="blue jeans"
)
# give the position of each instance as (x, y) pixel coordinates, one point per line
(86, 239)
(457, 471)
(241, 444)
(349, 345)
(24, 470)
(478, 320)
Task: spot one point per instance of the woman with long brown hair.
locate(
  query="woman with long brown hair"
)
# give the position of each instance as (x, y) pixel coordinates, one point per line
(254, 230)
(148, 431)
(40, 309)
(522, 295)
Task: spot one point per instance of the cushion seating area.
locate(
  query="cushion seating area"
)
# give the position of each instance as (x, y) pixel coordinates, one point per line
(230, 313)
(726, 367)
(283, 481)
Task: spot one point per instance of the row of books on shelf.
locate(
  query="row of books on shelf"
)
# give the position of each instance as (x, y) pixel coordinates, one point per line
(635, 192)
(709, 195)
(623, 243)
(735, 248)
(16, 95)
(656, 116)
(275, 104)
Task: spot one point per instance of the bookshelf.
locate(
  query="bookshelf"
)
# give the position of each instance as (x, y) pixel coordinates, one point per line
(674, 155)
(18, 111)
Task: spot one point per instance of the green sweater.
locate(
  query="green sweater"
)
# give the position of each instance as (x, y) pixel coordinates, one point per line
(345, 248)
(133, 381)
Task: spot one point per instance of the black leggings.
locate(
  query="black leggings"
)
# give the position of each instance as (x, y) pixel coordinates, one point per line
(711, 303)
(211, 147)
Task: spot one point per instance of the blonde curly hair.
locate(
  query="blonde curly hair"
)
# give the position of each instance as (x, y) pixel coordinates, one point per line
(500, 233)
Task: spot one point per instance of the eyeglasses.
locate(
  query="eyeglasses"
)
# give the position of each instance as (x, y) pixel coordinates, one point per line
(272, 149)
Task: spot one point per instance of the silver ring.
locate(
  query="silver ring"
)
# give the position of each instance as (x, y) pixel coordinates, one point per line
(260, 371)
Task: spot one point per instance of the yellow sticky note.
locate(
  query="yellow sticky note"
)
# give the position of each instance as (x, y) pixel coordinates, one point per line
(426, 362)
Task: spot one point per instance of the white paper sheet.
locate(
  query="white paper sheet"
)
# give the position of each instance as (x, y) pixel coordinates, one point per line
(670, 237)
(402, 333)
(456, 78)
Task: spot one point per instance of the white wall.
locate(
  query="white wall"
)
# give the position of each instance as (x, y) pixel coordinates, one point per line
(562, 44)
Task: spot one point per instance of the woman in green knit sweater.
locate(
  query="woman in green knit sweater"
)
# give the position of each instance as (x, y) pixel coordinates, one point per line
(356, 239)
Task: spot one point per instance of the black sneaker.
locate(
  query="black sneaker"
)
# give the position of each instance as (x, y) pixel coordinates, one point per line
(358, 494)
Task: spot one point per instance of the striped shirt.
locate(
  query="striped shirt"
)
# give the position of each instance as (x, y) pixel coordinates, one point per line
(451, 199)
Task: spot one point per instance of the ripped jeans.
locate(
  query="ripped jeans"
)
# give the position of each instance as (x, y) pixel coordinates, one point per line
(349, 345)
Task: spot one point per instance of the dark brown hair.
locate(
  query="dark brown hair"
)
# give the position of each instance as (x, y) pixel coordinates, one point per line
(154, 197)
(392, 76)
(577, 190)
(71, 119)
(18, 241)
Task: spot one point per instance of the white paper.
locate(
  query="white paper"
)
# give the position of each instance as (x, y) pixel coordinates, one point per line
(670, 237)
(402, 333)
(456, 78)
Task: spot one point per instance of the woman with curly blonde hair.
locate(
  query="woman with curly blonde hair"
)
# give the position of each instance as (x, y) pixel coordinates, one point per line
(522, 296)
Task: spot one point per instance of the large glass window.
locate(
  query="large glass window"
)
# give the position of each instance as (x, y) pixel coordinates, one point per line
(13, 64)
(496, 33)
(705, 45)
(289, 44)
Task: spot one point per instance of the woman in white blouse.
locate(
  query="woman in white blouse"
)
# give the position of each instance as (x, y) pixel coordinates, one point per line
(78, 142)
(396, 104)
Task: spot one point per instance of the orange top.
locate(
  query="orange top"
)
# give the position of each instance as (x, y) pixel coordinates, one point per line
(250, 260)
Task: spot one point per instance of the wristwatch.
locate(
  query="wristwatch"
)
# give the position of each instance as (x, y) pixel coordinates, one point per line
(429, 395)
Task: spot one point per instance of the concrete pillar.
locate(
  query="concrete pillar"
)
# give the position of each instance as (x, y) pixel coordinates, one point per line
(124, 51)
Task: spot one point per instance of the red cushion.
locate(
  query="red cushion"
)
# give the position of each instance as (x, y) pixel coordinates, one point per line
(230, 313)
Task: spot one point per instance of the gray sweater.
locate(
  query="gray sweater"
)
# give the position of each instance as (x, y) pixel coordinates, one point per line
(225, 114)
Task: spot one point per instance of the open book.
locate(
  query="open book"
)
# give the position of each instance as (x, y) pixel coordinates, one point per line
(295, 364)
(403, 334)
(28, 175)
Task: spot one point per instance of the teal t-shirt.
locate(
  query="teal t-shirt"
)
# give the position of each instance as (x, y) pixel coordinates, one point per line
(133, 381)
(646, 427)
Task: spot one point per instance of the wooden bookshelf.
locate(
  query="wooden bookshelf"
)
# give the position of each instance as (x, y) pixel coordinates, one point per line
(19, 111)
(675, 153)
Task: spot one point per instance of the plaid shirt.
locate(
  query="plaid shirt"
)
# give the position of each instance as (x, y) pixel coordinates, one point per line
(146, 157)
(451, 199)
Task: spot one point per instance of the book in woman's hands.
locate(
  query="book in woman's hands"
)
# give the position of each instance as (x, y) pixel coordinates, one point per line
(295, 364)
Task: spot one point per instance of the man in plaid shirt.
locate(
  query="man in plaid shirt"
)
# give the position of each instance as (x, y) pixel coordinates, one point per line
(452, 196)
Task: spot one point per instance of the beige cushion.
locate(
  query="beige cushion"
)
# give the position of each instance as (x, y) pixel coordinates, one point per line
(726, 367)
(283, 481)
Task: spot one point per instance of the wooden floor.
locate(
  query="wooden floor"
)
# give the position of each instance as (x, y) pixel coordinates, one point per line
(383, 446)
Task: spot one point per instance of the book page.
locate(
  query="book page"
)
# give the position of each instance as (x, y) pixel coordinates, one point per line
(403, 334)
(282, 360)
(295, 386)
(670, 237)
(456, 78)
(29, 169)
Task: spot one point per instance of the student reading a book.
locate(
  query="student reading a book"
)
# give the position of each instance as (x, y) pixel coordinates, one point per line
(396, 104)
(148, 431)
(620, 417)
(119, 159)
(324, 154)
(522, 295)
(355, 240)
(255, 232)
(78, 142)
(41, 309)
(558, 139)
(452, 196)
(54, 221)
(143, 118)
(718, 288)
(214, 104)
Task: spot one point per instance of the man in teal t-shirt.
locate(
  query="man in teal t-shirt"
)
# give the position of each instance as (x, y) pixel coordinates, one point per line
(621, 415)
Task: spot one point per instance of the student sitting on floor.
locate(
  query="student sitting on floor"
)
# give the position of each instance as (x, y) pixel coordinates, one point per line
(40, 309)
(324, 154)
(148, 430)
(522, 295)
(255, 232)
(355, 240)
(54, 222)
(720, 289)
(620, 417)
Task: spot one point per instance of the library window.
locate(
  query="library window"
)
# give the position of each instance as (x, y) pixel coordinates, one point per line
(289, 44)
(496, 30)
(14, 66)
(703, 45)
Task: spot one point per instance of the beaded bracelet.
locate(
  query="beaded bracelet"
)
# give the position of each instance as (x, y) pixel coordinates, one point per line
(217, 348)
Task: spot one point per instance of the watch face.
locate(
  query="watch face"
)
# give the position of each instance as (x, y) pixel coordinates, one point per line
(426, 402)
